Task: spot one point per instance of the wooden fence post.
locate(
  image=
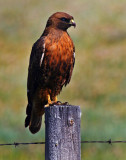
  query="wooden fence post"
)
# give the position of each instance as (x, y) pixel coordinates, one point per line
(62, 132)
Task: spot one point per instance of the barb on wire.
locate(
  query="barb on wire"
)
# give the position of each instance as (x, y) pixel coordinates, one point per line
(17, 144)
(24, 143)
(109, 141)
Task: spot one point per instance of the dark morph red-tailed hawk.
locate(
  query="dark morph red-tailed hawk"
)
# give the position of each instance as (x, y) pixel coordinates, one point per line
(50, 67)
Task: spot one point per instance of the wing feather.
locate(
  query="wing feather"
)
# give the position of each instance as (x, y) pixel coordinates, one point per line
(36, 57)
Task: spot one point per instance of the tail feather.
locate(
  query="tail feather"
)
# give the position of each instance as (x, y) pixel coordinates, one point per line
(27, 121)
(29, 109)
(28, 112)
(34, 118)
(35, 123)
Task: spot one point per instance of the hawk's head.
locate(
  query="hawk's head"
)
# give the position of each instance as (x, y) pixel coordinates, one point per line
(61, 20)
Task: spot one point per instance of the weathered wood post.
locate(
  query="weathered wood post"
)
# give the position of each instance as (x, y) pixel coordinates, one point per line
(62, 127)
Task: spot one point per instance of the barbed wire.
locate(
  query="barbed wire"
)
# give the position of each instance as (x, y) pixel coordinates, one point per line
(20, 143)
(25, 143)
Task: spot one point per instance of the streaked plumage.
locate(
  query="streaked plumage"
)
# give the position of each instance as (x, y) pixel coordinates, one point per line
(50, 67)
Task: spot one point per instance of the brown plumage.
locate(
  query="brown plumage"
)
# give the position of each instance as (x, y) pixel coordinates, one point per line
(50, 67)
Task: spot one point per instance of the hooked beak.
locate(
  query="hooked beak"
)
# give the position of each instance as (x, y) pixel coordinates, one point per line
(72, 23)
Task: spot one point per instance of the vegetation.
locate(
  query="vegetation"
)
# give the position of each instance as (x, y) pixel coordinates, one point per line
(98, 83)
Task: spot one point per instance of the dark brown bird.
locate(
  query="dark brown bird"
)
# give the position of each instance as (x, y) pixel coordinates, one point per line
(50, 67)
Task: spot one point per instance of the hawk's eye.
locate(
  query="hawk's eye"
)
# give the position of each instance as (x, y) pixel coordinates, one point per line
(64, 19)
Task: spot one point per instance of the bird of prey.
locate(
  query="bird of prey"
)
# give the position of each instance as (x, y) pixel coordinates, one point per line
(50, 67)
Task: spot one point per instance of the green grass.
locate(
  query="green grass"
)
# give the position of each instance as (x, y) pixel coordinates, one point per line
(98, 83)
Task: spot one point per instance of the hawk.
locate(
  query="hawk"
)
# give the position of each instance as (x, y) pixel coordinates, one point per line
(50, 67)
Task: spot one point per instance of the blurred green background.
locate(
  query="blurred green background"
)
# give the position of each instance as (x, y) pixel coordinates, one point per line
(98, 83)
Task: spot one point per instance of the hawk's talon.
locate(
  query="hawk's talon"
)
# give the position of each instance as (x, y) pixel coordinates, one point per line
(53, 103)
(49, 101)
(65, 103)
(58, 102)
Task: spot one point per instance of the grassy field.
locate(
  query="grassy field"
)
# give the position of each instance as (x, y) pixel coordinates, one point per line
(98, 83)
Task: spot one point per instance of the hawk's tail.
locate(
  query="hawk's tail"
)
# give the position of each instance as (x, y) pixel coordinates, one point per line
(35, 123)
(33, 120)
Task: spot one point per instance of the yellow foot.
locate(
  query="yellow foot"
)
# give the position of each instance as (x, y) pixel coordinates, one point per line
(52, 103)
(49, 101)
(55, 101)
